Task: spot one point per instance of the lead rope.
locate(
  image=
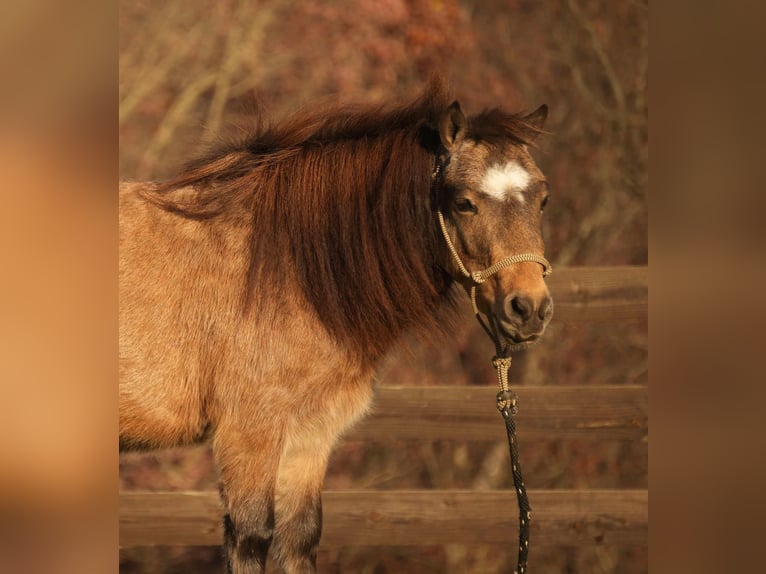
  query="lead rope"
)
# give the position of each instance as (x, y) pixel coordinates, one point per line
(507, 404)
(507, 400)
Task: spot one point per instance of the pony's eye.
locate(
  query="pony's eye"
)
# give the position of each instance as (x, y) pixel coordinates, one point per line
(544, 202)
(465, 205)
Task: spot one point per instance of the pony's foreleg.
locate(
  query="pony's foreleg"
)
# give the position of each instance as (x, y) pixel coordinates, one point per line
(299, 503)
(248, 462)
(310, 435)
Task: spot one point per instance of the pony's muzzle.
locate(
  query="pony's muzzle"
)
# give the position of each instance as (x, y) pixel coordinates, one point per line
(523, 316)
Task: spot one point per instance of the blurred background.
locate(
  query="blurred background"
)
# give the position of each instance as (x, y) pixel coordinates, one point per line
(192, 72)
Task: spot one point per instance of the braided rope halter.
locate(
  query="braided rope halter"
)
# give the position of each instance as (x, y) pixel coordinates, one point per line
(507, 400)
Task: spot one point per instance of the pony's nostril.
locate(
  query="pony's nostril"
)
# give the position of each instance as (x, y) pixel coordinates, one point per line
(522, 307)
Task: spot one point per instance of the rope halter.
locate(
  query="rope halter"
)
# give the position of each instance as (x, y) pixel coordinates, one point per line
(479, 277)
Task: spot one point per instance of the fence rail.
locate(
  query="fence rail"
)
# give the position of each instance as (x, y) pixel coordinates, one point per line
(600, 294)
(615, 412)
(406, 518)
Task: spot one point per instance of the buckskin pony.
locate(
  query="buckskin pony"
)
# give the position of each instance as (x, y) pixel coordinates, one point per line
(261, 287)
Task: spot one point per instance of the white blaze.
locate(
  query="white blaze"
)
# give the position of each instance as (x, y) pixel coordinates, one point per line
(502, 180)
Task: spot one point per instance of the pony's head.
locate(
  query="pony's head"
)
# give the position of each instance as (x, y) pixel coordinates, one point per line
(492, 196)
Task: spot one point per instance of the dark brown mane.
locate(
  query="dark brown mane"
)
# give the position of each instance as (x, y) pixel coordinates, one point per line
(296, 136)
(342, 197)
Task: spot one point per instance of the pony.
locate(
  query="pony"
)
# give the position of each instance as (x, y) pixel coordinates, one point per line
(262, 286)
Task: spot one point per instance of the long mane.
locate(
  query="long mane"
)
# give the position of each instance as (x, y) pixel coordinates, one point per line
(341, 197)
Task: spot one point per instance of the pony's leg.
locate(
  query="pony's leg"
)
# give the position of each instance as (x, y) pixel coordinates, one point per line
(299, 503)
(248, 462)
(309, 440)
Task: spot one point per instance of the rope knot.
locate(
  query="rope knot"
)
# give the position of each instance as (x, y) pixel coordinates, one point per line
(477, 277)
(501, 362)
(508, 400)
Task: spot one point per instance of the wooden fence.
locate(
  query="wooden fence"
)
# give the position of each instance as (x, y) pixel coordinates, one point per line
(394, 518)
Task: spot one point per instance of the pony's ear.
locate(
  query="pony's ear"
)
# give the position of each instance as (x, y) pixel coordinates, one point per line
(537, 118)
(452, 126)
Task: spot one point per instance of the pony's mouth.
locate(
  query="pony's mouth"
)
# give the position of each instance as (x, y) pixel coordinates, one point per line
(515, 340)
